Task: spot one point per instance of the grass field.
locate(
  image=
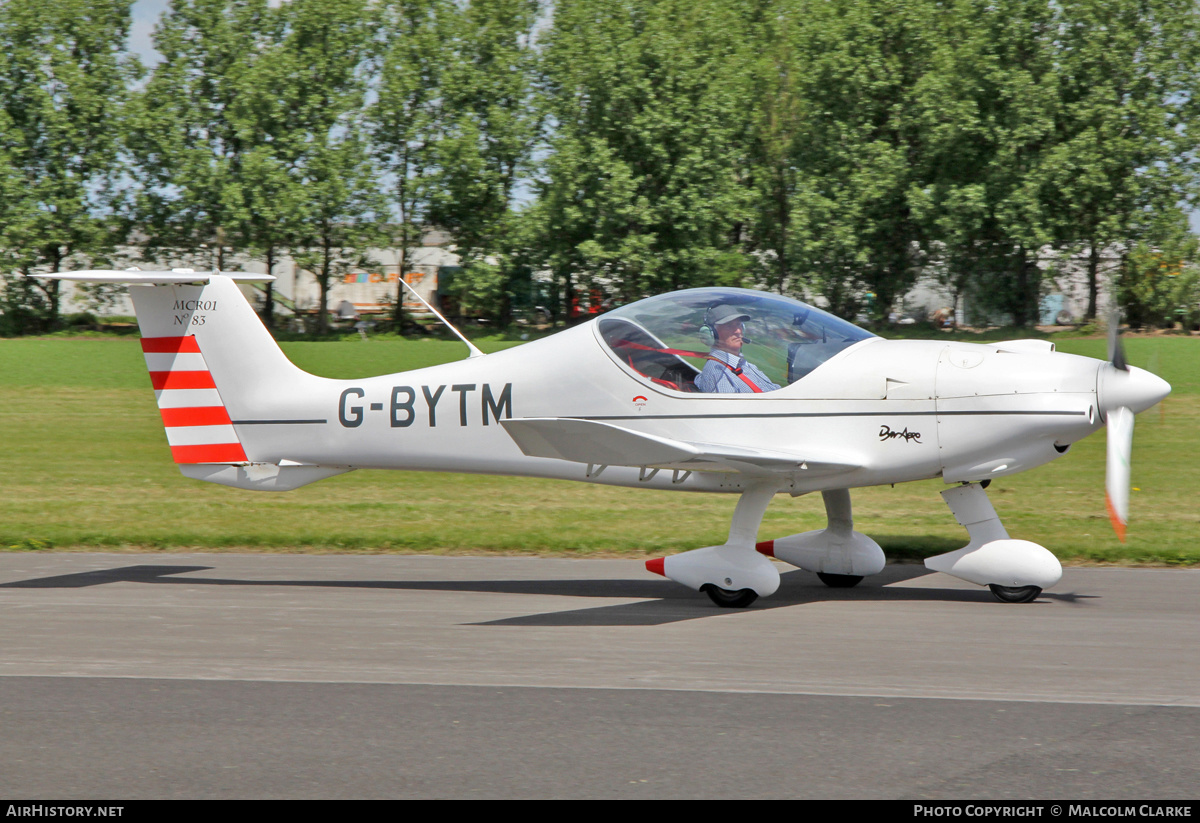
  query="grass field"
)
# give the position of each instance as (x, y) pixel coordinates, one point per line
(87, 467)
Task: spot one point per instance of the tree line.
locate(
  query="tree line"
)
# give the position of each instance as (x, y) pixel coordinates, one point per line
(831, 148)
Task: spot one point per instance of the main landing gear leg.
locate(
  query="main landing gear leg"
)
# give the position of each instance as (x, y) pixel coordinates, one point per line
(1015, 570)
(733, 575)
(838, 554)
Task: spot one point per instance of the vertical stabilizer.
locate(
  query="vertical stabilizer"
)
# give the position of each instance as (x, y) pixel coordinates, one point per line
(213, 363)
(220, 379)
(229, 343)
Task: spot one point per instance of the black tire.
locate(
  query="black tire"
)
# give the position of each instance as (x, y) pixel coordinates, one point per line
(1015, 594)
(727, 599)
(840, 581)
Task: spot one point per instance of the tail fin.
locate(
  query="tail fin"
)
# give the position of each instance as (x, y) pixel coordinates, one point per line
(195, 335)
(213, 364)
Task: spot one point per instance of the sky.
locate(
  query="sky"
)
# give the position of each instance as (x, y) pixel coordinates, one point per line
(146, 14)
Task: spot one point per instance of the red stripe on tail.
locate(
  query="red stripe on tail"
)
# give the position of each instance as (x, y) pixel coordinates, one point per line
(170, 345)
(182, 380)
(196, 416)
(212, 453)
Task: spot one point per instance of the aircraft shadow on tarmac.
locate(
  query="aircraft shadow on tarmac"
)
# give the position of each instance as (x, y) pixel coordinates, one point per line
(662, 601)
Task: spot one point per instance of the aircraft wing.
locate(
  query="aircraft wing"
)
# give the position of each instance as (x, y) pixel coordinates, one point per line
(592, 441)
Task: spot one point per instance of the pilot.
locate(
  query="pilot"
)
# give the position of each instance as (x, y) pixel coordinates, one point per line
(726, 369)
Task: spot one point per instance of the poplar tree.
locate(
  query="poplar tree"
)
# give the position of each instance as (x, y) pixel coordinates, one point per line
(62, 92)
(644, 190)
(19, 301)
(321, 58)
(22, 304)
(1125, 149)
(859, 152)
(190, 149)
(488, 133)
(990, 119)
(408, 115)
(267, 195)
(777, 119)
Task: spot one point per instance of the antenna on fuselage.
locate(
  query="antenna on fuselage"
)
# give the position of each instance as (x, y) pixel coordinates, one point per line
(475, 352)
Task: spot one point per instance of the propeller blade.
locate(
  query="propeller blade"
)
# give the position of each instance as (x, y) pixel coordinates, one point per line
(1116, 350)
(1116, 483)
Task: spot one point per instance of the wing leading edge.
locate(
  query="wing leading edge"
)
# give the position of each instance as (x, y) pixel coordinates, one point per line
(592, 441)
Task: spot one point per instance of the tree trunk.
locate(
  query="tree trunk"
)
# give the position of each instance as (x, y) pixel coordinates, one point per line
(268, 312)
(401, 192)
(323, 307)
(1093, 275)
(564, 310)
(1020, 303)
(398, 309)
(783, 216)
(323, 283)
(54, 290)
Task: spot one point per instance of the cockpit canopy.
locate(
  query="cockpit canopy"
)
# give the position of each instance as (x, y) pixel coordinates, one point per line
(667, 339)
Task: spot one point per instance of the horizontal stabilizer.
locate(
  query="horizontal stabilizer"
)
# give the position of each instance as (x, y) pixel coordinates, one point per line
(591, 441)
(152, 278)
(261, 476)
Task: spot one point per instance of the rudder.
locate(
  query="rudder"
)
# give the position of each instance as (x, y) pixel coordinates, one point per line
(218, 375)
(245, 363)
(199, 428)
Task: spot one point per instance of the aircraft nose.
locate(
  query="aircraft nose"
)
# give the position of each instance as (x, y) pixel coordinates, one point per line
(1135, 389)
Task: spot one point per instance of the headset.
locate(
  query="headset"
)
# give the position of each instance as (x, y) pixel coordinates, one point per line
(708, 330)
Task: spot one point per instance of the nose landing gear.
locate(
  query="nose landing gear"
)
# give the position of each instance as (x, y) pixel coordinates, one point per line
(1016, 571)
(1015, 594)
(727, 599)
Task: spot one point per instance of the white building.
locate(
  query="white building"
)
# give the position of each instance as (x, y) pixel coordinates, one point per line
(1064, 292)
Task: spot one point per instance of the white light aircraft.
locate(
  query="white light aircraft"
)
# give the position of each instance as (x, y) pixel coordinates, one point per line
(800, 402)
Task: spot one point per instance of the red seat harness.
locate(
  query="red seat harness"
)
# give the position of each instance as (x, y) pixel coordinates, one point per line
(682, 353)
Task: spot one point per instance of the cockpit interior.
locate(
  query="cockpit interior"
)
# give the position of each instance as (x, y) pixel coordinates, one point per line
(666, 340)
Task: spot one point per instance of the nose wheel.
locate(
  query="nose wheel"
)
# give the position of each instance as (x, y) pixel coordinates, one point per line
(728, 599)
(839, 581)
(1015, 594)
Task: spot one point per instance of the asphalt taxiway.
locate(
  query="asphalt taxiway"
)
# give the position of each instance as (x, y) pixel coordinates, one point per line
(218, 675)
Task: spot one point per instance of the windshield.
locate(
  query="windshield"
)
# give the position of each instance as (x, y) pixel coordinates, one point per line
(718, 340)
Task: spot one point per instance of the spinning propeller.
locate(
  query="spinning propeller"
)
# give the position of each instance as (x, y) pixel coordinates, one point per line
(1122, 392)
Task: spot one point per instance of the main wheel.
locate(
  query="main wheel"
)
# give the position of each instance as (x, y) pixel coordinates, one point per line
(727, 599)
(839, 581)
(1015, 594)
